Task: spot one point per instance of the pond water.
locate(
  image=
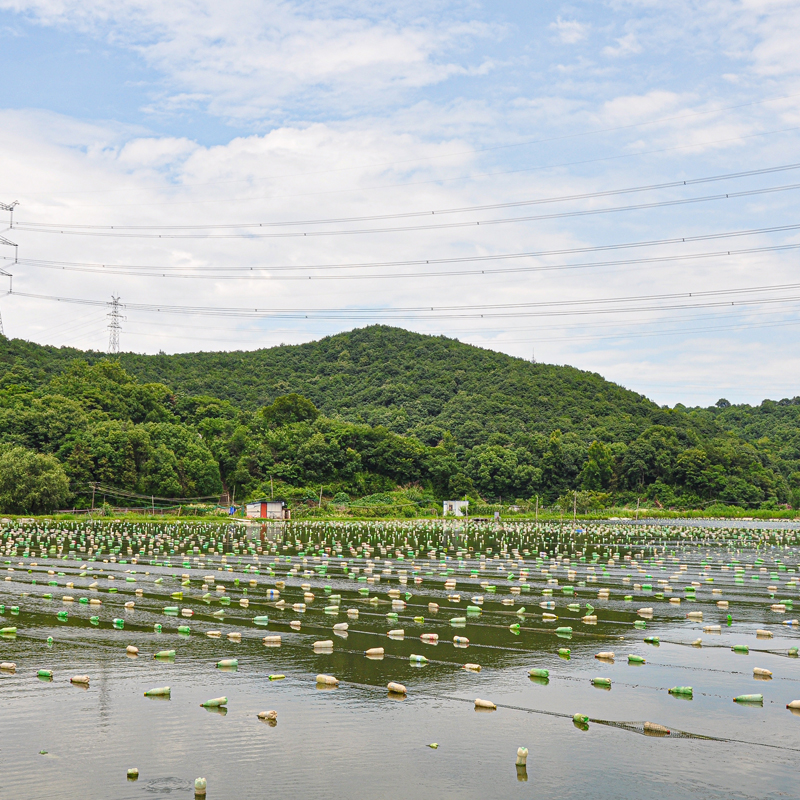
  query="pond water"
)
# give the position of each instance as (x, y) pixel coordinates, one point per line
(357, 740)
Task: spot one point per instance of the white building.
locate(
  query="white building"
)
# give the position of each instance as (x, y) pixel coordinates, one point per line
(267, 509)
(456, 508)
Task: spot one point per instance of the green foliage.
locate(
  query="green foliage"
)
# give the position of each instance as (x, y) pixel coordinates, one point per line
(363, 413)
(290, 408)
(31, 483)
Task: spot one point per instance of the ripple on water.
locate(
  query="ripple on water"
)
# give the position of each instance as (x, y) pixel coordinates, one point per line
(169, 785)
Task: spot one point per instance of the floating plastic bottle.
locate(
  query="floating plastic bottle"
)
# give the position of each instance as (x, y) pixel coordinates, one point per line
(327, 680)
(133, 774)
(749, 698)
(271, 641)
(418, 659)
(8, 666)
(276, 677)
(606, 655)
(565, 630)
(81, 680)
(564, 652)
(654, 729)
(740, 648)
(262, 620)
(217, 702)
(651, 640)
(683, 691)
(581, 719)
(472, 667)
(132, 650)
(200, 787)
(396, 688)
(634, 659)
(603, 682)
(522, 756)
(268, 716)
(165, 654)
(44, 673)
(374, 651)
(538, 672)
(761, 673)
(162, 691)
(795, 704)
(488, 704)
(228, 662)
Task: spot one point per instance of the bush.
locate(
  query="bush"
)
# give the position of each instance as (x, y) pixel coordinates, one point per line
(31, 483)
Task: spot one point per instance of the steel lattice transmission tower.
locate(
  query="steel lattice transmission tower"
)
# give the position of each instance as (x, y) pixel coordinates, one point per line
(114, 325)
(10, 208)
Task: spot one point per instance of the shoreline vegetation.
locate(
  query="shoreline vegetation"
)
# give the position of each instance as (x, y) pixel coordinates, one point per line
(478, 513)
(376, 423)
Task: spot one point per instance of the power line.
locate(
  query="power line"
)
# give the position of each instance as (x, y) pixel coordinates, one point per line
(554, 308)
(115, 233)
(431, 212)
(254, 273)
(468, 259)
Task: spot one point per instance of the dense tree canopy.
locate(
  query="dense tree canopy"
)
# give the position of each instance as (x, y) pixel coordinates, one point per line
(363, 412)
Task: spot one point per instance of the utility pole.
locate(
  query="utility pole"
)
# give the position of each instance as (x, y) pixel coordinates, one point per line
(114, 325)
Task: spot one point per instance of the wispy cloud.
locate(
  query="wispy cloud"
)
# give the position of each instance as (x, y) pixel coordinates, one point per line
(570, 31)
(255, 59)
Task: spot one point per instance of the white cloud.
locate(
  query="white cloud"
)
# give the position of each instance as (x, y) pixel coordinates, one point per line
(349, 132)
(570, 31)
(250, 59)
(627, 45)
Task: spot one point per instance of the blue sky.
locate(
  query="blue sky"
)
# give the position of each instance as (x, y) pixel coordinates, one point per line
(199, 114)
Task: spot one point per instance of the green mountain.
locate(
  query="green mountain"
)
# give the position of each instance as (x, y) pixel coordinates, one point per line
(387, 408)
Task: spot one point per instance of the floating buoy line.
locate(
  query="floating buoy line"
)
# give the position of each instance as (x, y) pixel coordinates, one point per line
(508, 593)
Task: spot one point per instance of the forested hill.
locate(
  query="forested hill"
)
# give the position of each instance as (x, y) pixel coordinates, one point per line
(410, 383)
(367, 411)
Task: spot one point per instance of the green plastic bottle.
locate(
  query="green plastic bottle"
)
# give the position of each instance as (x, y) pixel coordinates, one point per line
(539, 673)
(749, 698)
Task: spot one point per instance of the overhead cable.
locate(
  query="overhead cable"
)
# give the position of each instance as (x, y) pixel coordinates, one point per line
(255, 273)
(474, 259)
(114, 233)
(532, 309)
(412, 214)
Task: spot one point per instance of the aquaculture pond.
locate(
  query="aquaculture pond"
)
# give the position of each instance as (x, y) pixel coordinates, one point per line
(396, 660)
